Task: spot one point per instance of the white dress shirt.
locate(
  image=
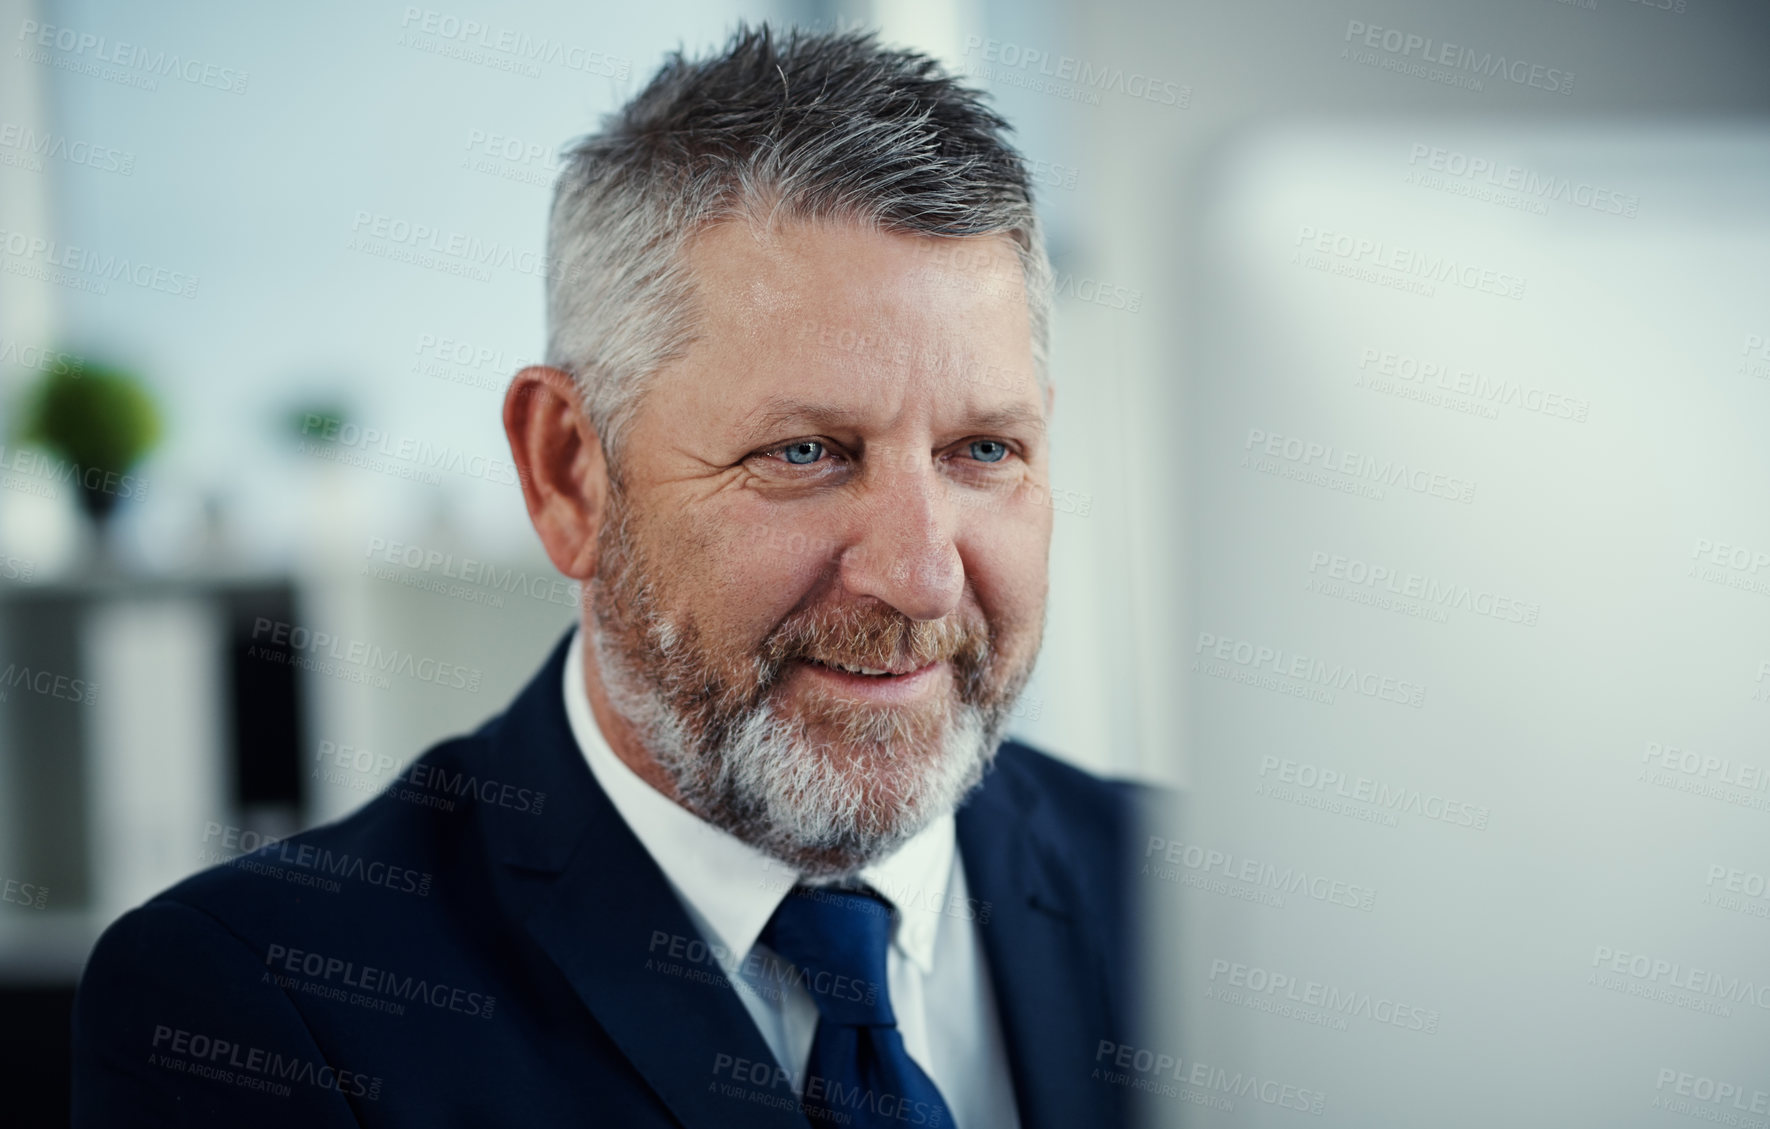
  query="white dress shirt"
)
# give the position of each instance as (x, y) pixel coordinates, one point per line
(936, 970)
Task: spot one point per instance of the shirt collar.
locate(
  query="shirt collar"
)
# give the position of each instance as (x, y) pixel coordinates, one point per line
(730, 888)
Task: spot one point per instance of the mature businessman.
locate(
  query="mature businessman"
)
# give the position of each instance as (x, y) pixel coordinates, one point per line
(792, 436)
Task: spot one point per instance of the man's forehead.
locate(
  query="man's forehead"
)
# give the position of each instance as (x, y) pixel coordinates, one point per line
(837, 326)
(774, 269)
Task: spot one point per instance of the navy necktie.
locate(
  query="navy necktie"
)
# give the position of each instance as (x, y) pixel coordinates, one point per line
(859, 1074)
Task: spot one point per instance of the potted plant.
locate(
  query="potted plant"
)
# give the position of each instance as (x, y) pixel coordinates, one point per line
(102, 421)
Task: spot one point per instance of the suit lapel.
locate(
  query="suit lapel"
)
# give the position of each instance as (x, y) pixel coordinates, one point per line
(1049, 982)
(591, 897)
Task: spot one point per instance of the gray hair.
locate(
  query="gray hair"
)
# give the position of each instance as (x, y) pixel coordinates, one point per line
(812, 126)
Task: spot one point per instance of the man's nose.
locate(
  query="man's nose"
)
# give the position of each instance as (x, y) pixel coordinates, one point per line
(903, 548)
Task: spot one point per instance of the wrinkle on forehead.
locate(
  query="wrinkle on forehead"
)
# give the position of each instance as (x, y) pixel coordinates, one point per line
(935, 310)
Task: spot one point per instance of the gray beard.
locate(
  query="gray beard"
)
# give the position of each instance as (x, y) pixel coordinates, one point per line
(738, 763)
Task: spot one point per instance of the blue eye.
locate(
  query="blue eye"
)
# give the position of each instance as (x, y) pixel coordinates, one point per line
(804, 452)
(995, 450)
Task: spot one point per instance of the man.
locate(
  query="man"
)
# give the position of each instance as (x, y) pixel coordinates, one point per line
(759, 854)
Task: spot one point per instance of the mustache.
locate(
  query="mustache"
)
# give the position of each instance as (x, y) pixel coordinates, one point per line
(877, 636)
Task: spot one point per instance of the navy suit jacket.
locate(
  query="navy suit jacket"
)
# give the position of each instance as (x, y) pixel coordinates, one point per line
(521, 960)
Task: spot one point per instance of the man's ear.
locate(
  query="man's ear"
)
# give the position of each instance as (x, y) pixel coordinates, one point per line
(560, 464)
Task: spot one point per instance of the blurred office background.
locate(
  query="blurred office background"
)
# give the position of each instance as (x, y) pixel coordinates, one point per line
(1413, 497)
